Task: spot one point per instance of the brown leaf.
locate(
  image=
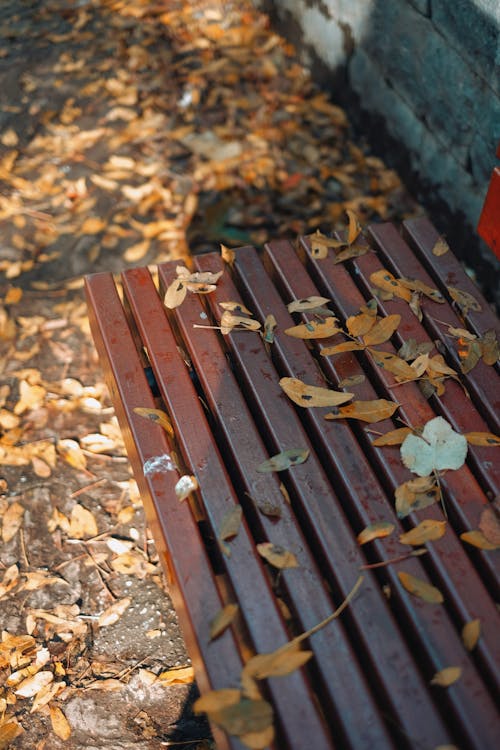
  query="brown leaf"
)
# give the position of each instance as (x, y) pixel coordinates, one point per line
(230, 524)
(393, 437)
(426, 531)
(269, 326)
(8, 732)
(415, 285)
(420, 588)
(82, 523)
(279, 663)
(277, 556)
(470, 355)
(70, 451)
(478, 539)
(346, 346)
(113, 613)
(236, 307)
(216, 700)
(359, 325)
(395, 365)
(12, 521)
(471, 632)
(314, 329)
(157, 416)
(320, 244)
(464, 300)
(366, 411)
(375, 531)
(490, 347)
(227, 255)
(489, 523)
(354, 229)
(384, 280)
(485, 439)
(306, 303)
(382, 331)
(283, 460)
(177, 676)
(175, 294)
(441, 247)
(352, 251)
(60, 724)
(312, 395)
(447, 676)
(222, 620)
(229, 321)
(416, 494)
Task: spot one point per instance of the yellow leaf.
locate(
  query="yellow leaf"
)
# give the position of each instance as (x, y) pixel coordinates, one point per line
(359, 325)
(92, 225)
(216, 700)
(136, 252)
(277, 556)
(258, 740)
(420, 588)
(175, 294)
(312, 395)
(113, 613)
(441, 247)
(222, 620)
(177, 676)
(82, 523)
(416, 494)
(382, 331)
(393, 437)
(486, 439)
(346, 346)
(478, 539)
(394, 364)
(227, 255)
(236, 307)
(384, 280)
(8, 732)
(471, 632)
(59, 722)
(13, 296)
(279, 663)
(157, 416)
(30, 397)
(426, 531)
(447, 676)
(314, 329)
(31, 685)
(366, 411)
(70, 451)
(354, 227)
(306, 303)
(320, 244)
(375, 531)
(12, 521)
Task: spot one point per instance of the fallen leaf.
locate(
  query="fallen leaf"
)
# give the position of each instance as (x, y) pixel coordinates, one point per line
(469, 355)
(8, 732)
(401, 370)
(464, 300)
(82, 524)
(359, 325)
(93, 225)
(113, 613)
(490, 347)
(415, 285)
(420, 588)
(375, 531)
(384, 280)
(471, 632)
(227, 255)
(382, 331)
(416, 494)
(447, 676)
(10, 580)
(185, 486)
(307, 303)
(31, 685)
(314, 329)
(346, 346)
(269, 326)
(177, 676)
(216, 700)
(246, 716)
(283, 460)
(157, 416)
(230, 524)
(175, 294)
(320, 244)
(237, 307)
(60, 724)
(279, 663)
(489, 522)
(70, 451)
(313, 395)
(426, 531)
(229, 321)
(277, 556)
(441, 247)
(258, 740)
(366, 411)
(12, 521)
(354, 229)
(477, 539)
(136, 252)
(486, 439)
(439, 448)
(393, 437)
(222, 620)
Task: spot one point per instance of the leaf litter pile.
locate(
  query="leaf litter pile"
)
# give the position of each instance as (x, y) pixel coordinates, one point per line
(132, 133)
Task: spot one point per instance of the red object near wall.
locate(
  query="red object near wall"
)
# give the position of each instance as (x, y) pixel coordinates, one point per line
(489, 223)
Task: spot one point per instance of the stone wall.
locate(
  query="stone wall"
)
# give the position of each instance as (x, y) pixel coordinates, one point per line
(430, 69)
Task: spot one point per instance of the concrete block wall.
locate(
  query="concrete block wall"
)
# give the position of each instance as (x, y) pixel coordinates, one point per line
(429, 68)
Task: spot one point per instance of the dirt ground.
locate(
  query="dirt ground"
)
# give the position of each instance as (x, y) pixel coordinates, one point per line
(130, 132)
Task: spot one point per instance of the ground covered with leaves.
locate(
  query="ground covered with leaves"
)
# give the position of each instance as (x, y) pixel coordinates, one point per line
(131, 132)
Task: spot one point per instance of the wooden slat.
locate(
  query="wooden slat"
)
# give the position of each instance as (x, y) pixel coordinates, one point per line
(291, 696)
(348, 704)
(381, 649)
(192, 583)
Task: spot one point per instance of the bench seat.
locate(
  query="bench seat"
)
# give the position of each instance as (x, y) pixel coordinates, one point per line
(368, 684)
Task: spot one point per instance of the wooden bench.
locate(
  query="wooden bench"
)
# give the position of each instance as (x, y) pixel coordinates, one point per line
(368, 684)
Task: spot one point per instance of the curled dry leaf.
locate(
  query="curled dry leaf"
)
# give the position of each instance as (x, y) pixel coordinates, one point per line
(471, 633)
(420, 588)
(279, 663)
(229, 321)
(277, 556)
(415, 285)
(354, 229)
(439, 448)
(464, 300)
(320, 244)
(426, 531)
(222, 620)
(441, 247)
(366, 411)
(447, 676)
(236, 307)
(175, 294)
(177, 676)
(314, 329)
(185, 486)
(227, 255)
(375, 531)
(283, 460)
(70, 451)
(359, 325)
(384, 280)
(307, 303)
(157, 416)
(312, 395)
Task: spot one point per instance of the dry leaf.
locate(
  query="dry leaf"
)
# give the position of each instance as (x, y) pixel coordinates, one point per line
(185, 486)
(420, 588)
(216, 700)
(426, 531)
(486, 439)
(175, 294)
(283, 460)
(157, 416)
(230, 524)
(441, 247)
(415, 285)
(478, 539)
(384, 280)
(136, 252)
(382, 331)
(8, 732)
(277, 556)
(244, 717)
(439, 448)
(346, 346)
(93, 225)
(447, 676)
(312, 395)
(393, 437)
(229, 321)
(490, 347)
(471, 632)
(320, 244)
(359, 325)
(31, 685)
(489, 522)
(401, 370)
(70, 451)
(227, 255)
(314, 329)
(269, 326)
(222, 620)
(177, 676)
(416, 494)
(12, 521)
(82, 523)
(113, 613)
(259, 740)
(279, 663)
(306, 303)
(464, 300)
(366, 411)
(354, 229)
(375, 531)
(60, 724)
(236, 307)
(9, 581)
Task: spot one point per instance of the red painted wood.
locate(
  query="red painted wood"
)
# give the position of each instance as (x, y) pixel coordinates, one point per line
(489, 221)
(258, 605)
